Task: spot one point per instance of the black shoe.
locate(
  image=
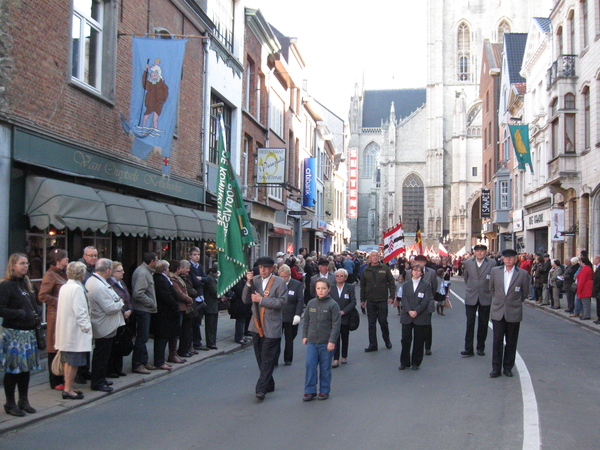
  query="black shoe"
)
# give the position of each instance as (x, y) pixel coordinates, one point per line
(112, 375)
(25, 406)
(568, 311)
(596, 321)
(494, 374)
(370, 349)
(122, 374)
(260, 395)
(388, 345)
(212, 347)
(80, 380)
(103, 388)
(78, 396)
(415, 367)
(109, 383)
(555, 307)
(403, 367)
(480, 353)
(287, 363)
(428, 352)
(13, 410)
(467, 354)
(507, 373)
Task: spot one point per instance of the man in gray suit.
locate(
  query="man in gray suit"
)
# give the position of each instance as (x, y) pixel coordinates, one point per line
(323, 273)
(478, 298)
(509, 286)
(430, 276)
(267, 294)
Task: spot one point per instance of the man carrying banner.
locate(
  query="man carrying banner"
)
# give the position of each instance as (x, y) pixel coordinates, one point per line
(268, 295)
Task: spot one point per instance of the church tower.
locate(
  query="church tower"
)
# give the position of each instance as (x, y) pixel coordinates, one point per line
(456, 31)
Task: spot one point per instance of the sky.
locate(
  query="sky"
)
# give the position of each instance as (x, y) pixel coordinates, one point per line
(340, 40)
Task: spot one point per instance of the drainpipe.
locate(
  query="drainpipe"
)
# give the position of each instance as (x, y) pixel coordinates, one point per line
(206, 116)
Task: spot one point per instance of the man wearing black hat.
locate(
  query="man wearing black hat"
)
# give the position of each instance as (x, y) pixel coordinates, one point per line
(509, 286)
(430, 276)
(323, 273)
(478, 298)
(268, 294)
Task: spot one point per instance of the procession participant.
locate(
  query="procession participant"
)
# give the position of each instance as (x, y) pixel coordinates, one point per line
(291, 312)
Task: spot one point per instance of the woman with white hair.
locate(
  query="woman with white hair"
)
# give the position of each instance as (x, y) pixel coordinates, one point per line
(73, 327)
(569, 279)
(165, 323)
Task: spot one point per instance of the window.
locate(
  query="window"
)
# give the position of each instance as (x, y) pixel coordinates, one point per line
(248, 85)
(213, 146)
(86, 56)
(560, 39)
(569, 124)
(474, 171)
(504, 195)
(464, 53)
(586, 117)
(413, 196)
(370, 157)
(222, 16)
(277, 114)
(572, 32)
(569, 101)
(503, 28)
(584, 25)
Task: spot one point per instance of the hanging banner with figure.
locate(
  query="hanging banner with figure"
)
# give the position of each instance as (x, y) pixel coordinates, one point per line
(156, 75)
(520, 139)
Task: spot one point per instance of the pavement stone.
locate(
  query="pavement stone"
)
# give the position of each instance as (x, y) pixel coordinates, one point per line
(49, 402)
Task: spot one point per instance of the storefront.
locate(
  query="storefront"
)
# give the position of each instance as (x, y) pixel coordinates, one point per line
(63, 196)
(536, 231)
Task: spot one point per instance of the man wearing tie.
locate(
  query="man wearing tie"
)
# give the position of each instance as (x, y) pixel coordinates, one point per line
(478, 298)
(509, 287)
(323, 273)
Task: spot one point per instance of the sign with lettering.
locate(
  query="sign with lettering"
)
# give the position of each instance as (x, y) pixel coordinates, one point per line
(271, 166)
(353, 184)
(45, 152)
(486, 209)
(310, 183)
(557, 225)
(537, 220)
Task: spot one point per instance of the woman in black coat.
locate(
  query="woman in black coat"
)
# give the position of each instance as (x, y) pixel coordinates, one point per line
(415, 317)
(239, 311)
(345, 295)
(165, 322)
(211, 313)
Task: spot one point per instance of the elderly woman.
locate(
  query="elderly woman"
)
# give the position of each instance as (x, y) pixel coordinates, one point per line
(569, 279)
(19, 352)
(73, 327)
(165, 322)
(115, 362)
(291, 312)
(416, 295)
(186, 349)
(185, 301)
(53, 280)
(345, 295)
(585, 282)
(555, 272)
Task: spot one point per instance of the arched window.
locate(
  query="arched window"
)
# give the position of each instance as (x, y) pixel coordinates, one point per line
(370, 157)
(413, 202)
(464, 52)
(503, 28)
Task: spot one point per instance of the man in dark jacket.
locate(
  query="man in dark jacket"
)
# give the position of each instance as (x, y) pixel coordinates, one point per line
(197, 276)
(544, 271)
(377, 289)
(596, 287)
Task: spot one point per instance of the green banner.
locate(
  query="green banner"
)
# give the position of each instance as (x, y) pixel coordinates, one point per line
(233, 224)
(520, 139)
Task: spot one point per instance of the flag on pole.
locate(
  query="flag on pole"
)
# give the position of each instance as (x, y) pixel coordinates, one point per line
(418, 240)
(233, 230)
(393, 243)
(442, 250)
(520, 139)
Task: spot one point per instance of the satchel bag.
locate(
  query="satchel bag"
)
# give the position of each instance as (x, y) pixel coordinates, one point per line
(58, 367)
(123, 341)
(447, 303)
(354, 320)
(40, 333)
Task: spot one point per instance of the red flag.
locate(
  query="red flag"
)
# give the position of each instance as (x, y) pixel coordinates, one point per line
(442, 250)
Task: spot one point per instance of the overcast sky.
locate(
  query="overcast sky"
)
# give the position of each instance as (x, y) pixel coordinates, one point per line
(342, 39)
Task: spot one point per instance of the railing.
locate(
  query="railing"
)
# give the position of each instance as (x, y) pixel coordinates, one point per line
(563, 67)
(375, 130)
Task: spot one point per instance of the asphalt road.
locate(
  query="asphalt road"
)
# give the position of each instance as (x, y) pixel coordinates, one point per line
(450, 403)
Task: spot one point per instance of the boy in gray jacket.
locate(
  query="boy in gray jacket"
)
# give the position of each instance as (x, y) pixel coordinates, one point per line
(321, 329)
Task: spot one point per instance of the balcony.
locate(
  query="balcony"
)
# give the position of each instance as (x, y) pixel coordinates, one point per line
(563, 172)
(563, 67)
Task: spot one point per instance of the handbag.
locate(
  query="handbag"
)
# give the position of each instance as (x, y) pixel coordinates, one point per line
(224, 304)
(123, 341)
(447, 303)
(40, 333)
(57, 368)
(354, 320)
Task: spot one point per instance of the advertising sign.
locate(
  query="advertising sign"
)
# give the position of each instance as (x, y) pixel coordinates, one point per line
(558, 225)
(485, 203)
(353, 184)
(309, 183)
(271, 166)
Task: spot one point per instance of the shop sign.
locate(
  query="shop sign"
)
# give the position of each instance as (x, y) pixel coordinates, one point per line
(271, 166)
(558, 225)
(518, 220)
(536, 220)
(310, 183)
(485, 203)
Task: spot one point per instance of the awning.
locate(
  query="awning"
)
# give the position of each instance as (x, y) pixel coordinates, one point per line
(125, 215)
(208, 222)
(280, 228)
(161, 223)
(188, 224)
(63, 205)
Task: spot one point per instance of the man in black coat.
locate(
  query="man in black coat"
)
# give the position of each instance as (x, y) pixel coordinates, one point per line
(596, 287)
(291, 313)
(197, 276)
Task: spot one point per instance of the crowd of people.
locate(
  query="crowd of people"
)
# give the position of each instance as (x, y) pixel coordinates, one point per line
(91, 313)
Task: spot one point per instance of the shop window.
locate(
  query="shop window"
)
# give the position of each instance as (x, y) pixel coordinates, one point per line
(98, 240)
(162, 249)
(38, 247)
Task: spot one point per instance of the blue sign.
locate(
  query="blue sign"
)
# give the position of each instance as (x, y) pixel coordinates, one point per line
(310, 183)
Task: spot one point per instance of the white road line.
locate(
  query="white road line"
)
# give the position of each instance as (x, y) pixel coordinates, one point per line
(531, 418)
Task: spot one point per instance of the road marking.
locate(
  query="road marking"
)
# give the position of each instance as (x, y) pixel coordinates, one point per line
(531, 418)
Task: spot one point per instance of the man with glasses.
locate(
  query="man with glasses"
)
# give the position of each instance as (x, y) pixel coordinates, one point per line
(90, 256)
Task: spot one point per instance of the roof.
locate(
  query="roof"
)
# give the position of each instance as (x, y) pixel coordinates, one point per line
(544, 23)
(377, 104)
(514, 49)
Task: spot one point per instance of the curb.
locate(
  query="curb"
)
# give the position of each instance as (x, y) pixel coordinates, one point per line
(587, 324)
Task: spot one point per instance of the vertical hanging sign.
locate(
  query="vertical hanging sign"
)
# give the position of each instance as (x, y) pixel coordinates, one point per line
(310, 183)
(353, 184)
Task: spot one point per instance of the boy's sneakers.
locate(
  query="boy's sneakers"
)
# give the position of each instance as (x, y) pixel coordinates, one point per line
(323, 397)
(309, 397)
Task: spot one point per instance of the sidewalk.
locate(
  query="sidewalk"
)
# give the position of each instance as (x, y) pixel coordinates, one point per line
(587, 324)
(49, 402)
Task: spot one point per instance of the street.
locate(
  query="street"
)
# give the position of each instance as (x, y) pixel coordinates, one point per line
(450, 403)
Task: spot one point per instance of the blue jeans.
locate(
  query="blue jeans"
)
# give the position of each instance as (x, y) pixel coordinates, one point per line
(578, 305)
(318, 355)
(140, 352)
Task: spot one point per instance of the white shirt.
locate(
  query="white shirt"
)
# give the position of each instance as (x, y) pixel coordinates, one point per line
(507, 278)
(265, 281)
(479, 264)
(340, 289)
(415, 284)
